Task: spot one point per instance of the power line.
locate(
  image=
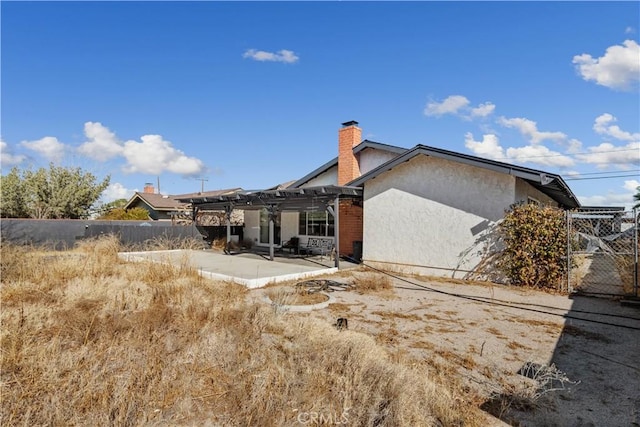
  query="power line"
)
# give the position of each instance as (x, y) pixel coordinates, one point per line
(604, 173)
(602, 177)
(502, 304)
(202, 180)
(566, 155)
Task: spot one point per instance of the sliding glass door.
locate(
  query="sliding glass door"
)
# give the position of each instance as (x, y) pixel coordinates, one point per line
(264, 228)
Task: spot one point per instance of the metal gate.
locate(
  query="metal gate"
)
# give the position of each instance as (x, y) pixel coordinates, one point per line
(603, 251)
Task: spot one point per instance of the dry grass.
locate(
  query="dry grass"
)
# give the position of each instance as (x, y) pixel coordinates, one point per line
(338, 307)
(167, 243)
(373, 282)
(396, 315)
(295, 296)
(88, 339)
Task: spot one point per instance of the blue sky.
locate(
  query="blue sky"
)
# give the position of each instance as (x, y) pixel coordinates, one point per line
(252, 94)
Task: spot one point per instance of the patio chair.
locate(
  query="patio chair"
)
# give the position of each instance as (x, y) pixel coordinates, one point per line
(293, 245)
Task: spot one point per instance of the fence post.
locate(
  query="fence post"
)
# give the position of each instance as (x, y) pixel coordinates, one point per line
(568, 225)
(636, 220)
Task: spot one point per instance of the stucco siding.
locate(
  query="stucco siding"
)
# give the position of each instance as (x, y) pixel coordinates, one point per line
(524, 190)
(329, 177)
(370, 159)
(432, 212)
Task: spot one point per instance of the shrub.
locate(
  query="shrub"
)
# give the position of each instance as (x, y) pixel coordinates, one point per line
(126, 214)
(535, 241)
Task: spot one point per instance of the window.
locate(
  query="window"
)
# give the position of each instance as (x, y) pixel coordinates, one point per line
(315, 224)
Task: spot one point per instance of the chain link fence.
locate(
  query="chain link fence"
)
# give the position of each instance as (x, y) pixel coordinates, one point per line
(603, 251)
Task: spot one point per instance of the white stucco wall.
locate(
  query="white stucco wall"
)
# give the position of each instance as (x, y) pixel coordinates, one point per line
(431, 212)
(330, 177)
(371, 158)
(524, 190)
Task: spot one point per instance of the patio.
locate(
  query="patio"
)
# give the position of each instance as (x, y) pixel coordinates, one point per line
(251, 269)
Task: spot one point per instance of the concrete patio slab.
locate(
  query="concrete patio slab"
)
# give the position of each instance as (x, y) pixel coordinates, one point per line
(249, 269)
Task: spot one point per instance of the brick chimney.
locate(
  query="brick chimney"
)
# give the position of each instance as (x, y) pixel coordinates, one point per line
(349, 136)
(148, 188)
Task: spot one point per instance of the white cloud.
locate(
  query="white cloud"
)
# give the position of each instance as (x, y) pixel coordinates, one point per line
(539, 154)
(609, 199)
(488, 148)
(629, 30)
(574, 146)
(286, 56)
(631, 185)
(154, 155)
(529, 129)
(612, 198)
(102, 144)
(458, 105)
(607, 154)
(451, 105)
(618, 68)
(48, 147)
(7, 158)
(116, 191)
(603, 125)
(483, 110)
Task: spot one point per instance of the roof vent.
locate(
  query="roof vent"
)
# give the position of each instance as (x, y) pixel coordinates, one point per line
(351, 123)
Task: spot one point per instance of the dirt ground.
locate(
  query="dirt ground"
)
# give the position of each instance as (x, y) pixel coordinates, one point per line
(485, 334)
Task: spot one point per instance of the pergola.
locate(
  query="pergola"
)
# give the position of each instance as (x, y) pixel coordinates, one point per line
(318, 198)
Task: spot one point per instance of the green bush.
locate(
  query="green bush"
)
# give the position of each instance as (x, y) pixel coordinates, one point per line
(128, 214)
(535, 251)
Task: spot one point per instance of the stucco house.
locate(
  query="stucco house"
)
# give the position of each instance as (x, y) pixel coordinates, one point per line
(433, 211)
(424, 209)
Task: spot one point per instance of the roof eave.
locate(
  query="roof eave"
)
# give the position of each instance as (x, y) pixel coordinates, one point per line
(540, 179)
(316, 172)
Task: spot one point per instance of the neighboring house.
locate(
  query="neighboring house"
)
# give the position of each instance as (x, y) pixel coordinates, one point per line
(167, 207)
(159, 206)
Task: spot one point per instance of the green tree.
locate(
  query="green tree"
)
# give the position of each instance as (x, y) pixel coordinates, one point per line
(119, 203)
(57, 192)
(636, 197)
(105, 208)
(12, 201)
